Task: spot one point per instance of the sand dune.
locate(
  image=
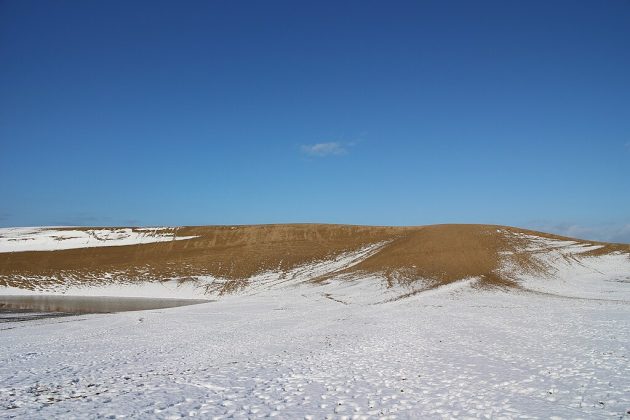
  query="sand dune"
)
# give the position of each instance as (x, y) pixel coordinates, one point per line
(227, 259)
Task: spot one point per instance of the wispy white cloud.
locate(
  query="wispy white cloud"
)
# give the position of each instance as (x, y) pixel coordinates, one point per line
(324, 149)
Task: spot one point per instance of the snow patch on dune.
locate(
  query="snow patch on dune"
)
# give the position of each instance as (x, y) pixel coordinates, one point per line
(55, 239)
(364, 289)
(305, 273)
(567, 271)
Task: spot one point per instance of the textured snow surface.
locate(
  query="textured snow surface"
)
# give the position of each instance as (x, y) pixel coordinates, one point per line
(50, 239)
(294, 353)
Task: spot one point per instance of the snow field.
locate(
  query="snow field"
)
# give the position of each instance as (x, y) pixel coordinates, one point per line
(459, 353)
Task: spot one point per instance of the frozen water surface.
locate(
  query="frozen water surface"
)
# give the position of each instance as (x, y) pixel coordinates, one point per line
(15, 307)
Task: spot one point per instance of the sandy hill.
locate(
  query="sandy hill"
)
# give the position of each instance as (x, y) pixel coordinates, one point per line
(227, 259)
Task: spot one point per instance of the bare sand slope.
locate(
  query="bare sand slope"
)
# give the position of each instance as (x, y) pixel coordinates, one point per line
(496, 256)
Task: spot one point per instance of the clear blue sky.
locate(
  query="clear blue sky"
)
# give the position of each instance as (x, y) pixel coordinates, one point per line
(394, 113)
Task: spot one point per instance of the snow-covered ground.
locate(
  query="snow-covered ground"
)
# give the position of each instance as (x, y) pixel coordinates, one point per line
(458, 352)
(52, 239)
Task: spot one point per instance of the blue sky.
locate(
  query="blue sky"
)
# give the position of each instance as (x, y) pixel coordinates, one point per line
(363, 112)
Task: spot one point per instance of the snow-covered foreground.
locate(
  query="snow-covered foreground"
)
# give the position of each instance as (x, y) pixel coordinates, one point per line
(295, 353)
(55, 239)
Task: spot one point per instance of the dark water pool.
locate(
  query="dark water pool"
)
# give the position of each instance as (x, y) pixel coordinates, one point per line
(22, 308)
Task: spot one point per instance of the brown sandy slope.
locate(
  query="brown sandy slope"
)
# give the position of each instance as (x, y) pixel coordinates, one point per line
(440, 254)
